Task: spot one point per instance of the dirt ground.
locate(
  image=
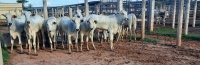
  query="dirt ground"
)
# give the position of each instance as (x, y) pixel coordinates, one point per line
(125, 53)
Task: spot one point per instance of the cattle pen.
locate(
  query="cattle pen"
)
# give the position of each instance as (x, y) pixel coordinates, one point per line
(101, 32)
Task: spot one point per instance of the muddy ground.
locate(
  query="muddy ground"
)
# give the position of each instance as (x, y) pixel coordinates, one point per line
(125, 53)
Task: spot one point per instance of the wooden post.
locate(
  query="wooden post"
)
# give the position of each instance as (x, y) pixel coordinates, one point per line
(194, 14)
(16, 11)
(143, 19)
(70, 12)
(63, 11)
(60, 10)
(174, 15)
(52, 12)
(169, 10)
(36, 12)
(86, 8)
(77, 7)
(55, 14)
(45, 9)
(180, 21)
(186, 17)
(151, 14)
(1, 57)
(97, 9)
(120, 5)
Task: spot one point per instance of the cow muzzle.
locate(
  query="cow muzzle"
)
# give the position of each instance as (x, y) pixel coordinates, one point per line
(9, 24)
(77, 29)
(78, 16)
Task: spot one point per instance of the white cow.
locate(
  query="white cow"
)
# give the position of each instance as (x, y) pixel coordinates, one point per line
(34, 23)
(87, 31)
(130, 25)
(110, 23)
(70, 28)
(52, 25)
(78, 13)
(15, 27)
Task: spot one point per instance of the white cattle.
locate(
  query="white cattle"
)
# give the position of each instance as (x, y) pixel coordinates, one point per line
(15, 27)
(121, 17)
(34, 23)
(130, 25)
(78, 13)
(103, 22)
(52, 25)
(160, 15)
(85, 30)
(70, 28)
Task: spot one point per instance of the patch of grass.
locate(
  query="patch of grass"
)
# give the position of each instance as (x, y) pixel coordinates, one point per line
(198, 26)
(166, 32)
(150, 40)
(5, 52)
(192, 37)
(6, 55)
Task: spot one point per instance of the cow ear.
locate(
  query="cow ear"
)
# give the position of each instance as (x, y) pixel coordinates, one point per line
(95, 21)
(3, 15)
(14, 16)
(54, 22)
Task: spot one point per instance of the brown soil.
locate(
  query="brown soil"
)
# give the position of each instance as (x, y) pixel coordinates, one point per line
(125, 53)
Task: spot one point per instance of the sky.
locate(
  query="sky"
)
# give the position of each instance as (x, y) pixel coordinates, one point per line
(38, 3)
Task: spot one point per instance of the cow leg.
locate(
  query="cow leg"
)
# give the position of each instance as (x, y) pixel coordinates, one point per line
(119, 35)
(12, 43)
(91, 37)
(76, 42)
(82, 42)
(30, 45)
(131, 32)
(69, 43)
(87, 43)
(20, 42)
(38, 42)
(134, 32)
(101, 38)
(43, 38)
(50, 41)
(111, 40)
(55, 41)
(62, 38)
(27, 38)
(164, 21)
(34, 44)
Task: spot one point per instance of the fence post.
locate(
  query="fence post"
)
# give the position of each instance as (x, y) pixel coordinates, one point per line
(1, 57)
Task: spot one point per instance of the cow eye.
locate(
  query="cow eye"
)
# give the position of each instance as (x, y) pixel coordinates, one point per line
(54, 22)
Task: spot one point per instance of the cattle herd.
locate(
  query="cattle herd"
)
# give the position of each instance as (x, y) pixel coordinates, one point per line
(68, 29)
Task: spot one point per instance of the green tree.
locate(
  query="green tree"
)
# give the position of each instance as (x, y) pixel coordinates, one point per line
(22, 1)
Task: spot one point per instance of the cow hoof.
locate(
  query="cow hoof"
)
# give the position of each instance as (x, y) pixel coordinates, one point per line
(51, 51)
(35, 54)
